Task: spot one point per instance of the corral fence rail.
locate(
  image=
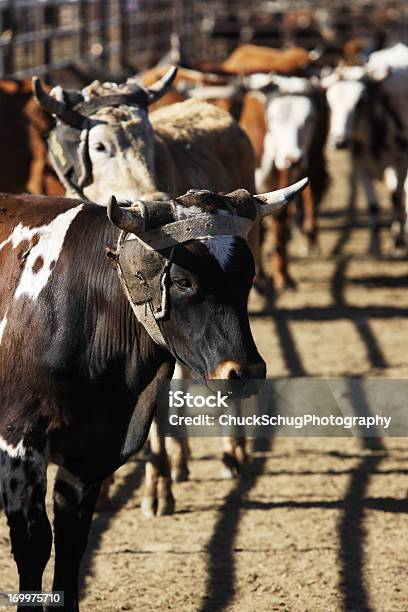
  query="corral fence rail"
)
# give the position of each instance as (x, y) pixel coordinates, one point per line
(39, 36)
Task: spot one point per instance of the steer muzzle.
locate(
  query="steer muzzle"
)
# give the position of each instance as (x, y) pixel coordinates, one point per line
(245, 378)
(340, 142)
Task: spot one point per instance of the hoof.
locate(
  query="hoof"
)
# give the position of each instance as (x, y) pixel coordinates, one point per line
(399, 252)
(285, 284)
(165, 506)
(399, 247)
(180, 474)
(227, 473)
(260, 285)
(230, 467)
(149, 506)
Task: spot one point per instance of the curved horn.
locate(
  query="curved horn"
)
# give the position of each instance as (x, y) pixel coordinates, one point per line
(156, 91)
(259, 81)
(316, 53)
(128, 220)
(274, 201)
(54, 106)
(212, 92)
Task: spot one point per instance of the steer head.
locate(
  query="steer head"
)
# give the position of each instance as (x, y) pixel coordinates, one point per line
(186, 269)
(291, 117)
(103, 136)
(347, 88)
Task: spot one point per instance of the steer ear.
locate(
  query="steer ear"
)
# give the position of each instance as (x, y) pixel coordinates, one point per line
(274, 201)
(129, 220)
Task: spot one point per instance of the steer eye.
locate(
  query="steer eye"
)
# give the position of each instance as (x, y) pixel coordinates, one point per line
(100, 146)
(183, 284)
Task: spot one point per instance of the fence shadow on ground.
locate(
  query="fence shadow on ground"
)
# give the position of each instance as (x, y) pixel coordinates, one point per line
(220, 588)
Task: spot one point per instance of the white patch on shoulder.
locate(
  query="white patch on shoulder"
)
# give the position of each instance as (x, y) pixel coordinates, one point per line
(18, 451)
(48, 247)
(220, 247)
(19, 234)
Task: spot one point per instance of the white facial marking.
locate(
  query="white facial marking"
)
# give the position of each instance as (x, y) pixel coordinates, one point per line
(48, 248)
(292, 85)
(342, 98)
(290, 128)
(121, 150)
(220, 247)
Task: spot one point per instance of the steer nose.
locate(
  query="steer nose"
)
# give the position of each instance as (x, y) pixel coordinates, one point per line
(340, 142)
(244, 377)
(293, 158)
(236, 370)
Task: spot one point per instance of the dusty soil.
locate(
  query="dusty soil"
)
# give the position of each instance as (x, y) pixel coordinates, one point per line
(314, 524)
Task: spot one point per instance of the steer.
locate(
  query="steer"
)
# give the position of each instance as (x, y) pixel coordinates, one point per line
(81, 364)
(296, 126)
(104, 136)
(249, 59)
(366, 117)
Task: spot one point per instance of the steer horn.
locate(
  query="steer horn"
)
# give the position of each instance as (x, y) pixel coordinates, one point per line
(158, 89)
(128, 220)
(316, 53)
(275, 200)
(56, 107)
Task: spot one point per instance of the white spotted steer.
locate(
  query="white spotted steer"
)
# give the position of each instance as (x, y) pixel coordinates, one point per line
(79, 372)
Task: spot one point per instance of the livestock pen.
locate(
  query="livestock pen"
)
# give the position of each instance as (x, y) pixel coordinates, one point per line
(38, 37)
(312, 523)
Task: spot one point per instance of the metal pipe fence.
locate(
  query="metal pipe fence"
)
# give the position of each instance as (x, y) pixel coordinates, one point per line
(38, 36)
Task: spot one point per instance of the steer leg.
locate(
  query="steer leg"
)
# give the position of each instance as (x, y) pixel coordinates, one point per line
(234, 456)
(309, 219)
(158, 499)
(234, 448)
(23, 483)
(177, 447)
(374, 211)
(74, 504)
(280, 224)
(281, 277)
(399, 213)
(179, 452)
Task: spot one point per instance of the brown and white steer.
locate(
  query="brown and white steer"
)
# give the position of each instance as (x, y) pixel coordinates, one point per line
(105, 140)
(250, 59)
(297, 122)
(79, 373)
(369, 117)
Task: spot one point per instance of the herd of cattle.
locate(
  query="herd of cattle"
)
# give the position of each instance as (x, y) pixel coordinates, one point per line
(94, 312)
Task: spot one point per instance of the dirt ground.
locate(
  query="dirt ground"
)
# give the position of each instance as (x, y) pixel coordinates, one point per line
(317, 524)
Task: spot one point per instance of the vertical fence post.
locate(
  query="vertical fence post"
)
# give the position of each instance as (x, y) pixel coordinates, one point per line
(83, 28)
(8, 26)
(103, 32)
(124, 35)
(51, 18)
